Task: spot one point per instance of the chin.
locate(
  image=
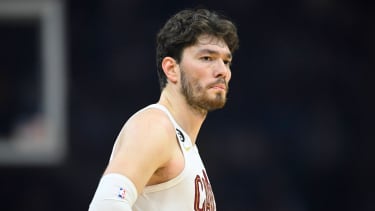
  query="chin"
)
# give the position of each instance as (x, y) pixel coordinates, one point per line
(214, 105)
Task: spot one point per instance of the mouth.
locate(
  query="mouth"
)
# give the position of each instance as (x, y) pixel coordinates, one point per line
(219, 86)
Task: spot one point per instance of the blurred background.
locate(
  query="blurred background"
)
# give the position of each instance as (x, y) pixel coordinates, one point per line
(297, 133)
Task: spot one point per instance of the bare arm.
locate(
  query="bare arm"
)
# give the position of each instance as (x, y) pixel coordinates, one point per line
(145, 144)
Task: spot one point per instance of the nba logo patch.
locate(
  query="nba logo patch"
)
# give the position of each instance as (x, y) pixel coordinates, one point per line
(121, 193)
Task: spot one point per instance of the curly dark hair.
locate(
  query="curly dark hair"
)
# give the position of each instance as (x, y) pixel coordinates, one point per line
(183, 29)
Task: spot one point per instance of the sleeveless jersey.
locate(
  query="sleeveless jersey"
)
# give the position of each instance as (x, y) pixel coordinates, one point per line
(190, 190)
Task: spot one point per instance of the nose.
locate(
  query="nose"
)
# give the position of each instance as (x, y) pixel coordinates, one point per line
(222, 69)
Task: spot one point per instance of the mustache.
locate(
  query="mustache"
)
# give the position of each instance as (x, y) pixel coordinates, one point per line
(219, 81)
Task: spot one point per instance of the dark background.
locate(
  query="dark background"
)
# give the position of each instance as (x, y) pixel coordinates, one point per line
(297, 133)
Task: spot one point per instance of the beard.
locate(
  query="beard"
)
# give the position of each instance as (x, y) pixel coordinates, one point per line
(197, 96)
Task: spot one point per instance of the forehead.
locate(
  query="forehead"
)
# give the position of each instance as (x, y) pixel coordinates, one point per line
(212, 43)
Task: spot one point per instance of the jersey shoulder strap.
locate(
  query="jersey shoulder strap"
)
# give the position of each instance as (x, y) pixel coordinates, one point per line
(183, 138)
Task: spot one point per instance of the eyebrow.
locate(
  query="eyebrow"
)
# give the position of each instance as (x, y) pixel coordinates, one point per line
(209, 51)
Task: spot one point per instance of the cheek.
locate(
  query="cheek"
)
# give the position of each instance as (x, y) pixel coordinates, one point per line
(200, 76)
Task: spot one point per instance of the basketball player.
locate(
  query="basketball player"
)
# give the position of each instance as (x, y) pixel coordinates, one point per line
(155, 164)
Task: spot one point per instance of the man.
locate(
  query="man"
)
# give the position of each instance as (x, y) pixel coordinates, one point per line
(155, 164)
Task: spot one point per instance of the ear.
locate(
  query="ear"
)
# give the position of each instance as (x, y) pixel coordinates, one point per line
(170, 68)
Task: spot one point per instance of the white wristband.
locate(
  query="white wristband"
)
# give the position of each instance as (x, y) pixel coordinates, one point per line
(115, 192)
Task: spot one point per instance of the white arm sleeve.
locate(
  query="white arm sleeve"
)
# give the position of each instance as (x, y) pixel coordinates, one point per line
(115, 192)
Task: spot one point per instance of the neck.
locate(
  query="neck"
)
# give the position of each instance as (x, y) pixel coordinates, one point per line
(188, 117)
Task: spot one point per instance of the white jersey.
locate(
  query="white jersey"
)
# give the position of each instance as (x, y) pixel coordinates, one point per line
(190, 190)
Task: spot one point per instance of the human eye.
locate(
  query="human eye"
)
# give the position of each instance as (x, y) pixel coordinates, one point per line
(206, 58)
(227, 62)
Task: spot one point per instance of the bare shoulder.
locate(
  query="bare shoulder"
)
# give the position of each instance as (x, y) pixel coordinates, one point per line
(150, 127)
(150, 119)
